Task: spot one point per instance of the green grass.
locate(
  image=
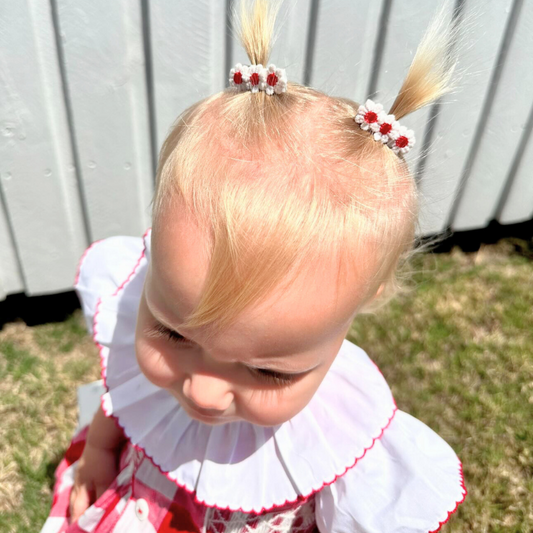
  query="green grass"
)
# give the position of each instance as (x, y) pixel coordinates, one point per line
(40, 368)
(457, 352)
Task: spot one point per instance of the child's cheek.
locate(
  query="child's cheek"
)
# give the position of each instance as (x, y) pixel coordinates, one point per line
(153, 364)
(273, 407)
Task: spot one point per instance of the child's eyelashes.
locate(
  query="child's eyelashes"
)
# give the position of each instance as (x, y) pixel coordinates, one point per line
(276, 378)
(264, 374)
(170, 334)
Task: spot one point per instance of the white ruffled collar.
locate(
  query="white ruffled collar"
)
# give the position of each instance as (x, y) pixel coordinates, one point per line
(239, 466)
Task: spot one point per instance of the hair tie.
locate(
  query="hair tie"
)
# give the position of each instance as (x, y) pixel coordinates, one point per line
(385, 128)
(257, 78)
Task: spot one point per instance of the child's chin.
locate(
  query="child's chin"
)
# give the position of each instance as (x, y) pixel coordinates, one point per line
(211, 420)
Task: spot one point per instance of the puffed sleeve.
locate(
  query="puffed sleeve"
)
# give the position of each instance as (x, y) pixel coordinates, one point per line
(410, 481)
(101, 270)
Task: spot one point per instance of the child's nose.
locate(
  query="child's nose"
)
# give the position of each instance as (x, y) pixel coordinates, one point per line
(208, 392)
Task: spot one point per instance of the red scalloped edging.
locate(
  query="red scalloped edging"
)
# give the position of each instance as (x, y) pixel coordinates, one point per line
(166, 474)
(97, 310)
(299, 499)
(465, 492)
(461, 482)
(82, 259)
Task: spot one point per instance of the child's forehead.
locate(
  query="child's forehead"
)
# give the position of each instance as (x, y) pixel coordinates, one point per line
(295, 318)
(314, 304)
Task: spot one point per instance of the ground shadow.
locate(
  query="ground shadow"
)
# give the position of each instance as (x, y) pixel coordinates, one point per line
(520, 235)
(36, 310)
(51, 467)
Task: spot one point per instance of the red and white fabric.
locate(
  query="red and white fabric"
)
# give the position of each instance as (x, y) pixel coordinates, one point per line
(350, 461)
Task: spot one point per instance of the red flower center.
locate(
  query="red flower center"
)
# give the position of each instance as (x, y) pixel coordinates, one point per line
(385, 128)
(402, 142)
(371, 117)
(237, 78)
(254, 78)
(272, 79)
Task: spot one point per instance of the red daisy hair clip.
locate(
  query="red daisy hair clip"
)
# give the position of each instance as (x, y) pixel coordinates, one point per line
(255, 78)
(385, 128)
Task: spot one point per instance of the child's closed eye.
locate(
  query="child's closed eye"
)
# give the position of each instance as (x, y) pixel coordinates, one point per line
(277, 378)
(163, 331)
(263, 374)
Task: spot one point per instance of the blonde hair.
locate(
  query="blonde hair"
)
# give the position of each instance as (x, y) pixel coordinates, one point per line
(281, 182)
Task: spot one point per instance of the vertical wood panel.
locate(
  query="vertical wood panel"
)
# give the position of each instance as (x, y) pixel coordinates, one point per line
(504, 127)
(10, 276)
(346, 37)
(482, 28)
(39, 182)
(104, 63)
(188, 52)
(518, 206)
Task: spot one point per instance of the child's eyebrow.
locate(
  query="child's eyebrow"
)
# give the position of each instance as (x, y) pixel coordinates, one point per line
(262, 366)
(158, 316)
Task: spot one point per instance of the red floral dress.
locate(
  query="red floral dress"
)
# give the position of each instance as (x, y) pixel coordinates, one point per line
(142, 500)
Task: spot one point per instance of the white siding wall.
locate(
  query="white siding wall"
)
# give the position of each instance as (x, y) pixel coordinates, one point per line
(89, 89)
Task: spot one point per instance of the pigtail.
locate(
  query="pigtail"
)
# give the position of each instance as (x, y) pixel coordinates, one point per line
(255, 28)
(430, 74)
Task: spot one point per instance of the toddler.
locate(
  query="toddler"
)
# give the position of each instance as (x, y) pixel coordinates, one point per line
(233, 402)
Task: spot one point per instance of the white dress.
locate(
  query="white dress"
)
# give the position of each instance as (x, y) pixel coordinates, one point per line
(350, 459)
